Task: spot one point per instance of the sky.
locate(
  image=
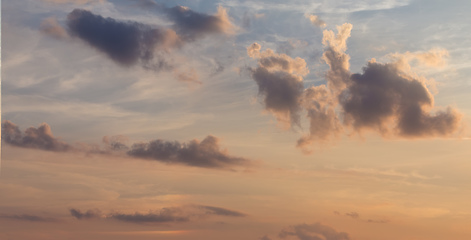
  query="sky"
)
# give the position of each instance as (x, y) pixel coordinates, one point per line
(235, 119)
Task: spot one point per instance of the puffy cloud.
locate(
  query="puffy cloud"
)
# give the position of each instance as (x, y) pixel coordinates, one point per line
(51, 27)
(338, 75)
(315, 231)
(127, 43)
(389, 98)
(206, 153)
(316, 21)
(323, 120)
(280, 82)
(40, 138)
(382, 98)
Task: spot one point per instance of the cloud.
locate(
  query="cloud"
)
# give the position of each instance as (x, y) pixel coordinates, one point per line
(80, 2)
(164, 215)
(126, 43)
(388, 98)
(338, 76)
(192, 25)
(356, 216)
(206, 153)
(90, 214)
(39, 138)
(28, 218)
(280, 82)
(315, 231)
(383, 99)
(316, 21)
(222, 211)
(353, 215)
(189, 76)
(51, 27)
(323, 120)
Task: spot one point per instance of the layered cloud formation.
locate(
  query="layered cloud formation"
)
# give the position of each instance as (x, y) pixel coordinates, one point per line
(388, 98)
(206, 153)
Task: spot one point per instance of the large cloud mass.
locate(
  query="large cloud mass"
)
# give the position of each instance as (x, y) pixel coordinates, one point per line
(388, 98)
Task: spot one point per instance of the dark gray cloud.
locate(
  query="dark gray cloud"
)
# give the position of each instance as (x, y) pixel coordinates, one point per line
(315, 231)
(164, 215)
(125, 42)
(206, 153)
(281, 93)
(90, 214)
(39, 138)
(280, 83)
(28, 218)
(381, 96)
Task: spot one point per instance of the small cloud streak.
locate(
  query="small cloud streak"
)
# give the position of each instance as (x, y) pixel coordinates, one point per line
(222, 211)
(356, 216)
(28, 218)
(164, 215)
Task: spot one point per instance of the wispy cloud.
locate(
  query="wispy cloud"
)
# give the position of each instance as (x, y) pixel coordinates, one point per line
(28, 218)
